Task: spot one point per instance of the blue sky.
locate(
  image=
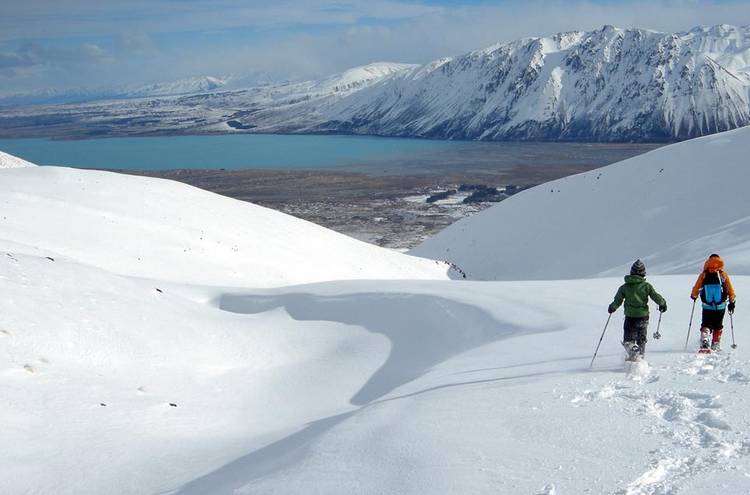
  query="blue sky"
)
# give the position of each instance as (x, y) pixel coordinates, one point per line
(88, 43)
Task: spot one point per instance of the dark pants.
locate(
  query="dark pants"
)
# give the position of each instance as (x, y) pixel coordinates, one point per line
(713, 319)
(713, 322)
(636, 330)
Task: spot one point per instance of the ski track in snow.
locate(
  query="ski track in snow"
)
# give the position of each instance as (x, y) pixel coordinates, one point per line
(697, 438)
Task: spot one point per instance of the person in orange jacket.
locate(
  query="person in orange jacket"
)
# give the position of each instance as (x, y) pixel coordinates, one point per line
(714, 287)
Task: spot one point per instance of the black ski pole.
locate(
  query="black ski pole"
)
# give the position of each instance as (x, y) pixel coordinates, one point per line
(691, 324)
(657, 335)
(600, 340)
(731, 323)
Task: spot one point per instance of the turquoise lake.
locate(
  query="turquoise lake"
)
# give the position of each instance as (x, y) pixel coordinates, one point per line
(364, 154)
(252, 151)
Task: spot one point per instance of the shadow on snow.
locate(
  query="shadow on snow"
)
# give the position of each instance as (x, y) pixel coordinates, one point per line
(424, 330)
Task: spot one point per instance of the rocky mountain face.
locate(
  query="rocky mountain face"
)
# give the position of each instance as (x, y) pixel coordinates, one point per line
(607, 85)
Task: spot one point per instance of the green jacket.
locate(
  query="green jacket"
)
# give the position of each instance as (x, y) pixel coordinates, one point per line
(635, 292)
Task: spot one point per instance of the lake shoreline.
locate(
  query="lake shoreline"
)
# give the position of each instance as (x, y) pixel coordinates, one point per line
(387, 210)
(371, 188)
(374, 155)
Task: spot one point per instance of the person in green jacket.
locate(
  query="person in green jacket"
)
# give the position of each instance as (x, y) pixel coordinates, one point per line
(635, 292)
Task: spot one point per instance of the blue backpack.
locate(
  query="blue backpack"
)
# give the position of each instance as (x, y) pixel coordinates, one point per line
(713, 292)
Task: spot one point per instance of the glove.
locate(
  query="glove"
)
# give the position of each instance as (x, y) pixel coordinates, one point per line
(693, 297)
(663, 308)
(731, 307)
(610, 309)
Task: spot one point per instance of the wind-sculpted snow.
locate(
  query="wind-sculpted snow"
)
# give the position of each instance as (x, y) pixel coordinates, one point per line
(416, 325)
(671, 207)
(512, 410)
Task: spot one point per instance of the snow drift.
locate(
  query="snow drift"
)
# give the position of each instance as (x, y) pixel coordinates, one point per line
(166, 230)
(671, 207)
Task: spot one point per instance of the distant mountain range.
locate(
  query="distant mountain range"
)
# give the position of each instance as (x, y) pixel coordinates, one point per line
(605, 85)
(189, 85)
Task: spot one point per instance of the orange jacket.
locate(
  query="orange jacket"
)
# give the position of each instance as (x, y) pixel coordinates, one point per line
(714, 264)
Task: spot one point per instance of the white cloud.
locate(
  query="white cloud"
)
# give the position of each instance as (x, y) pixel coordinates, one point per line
(135, 43)
(35, 54)
(347, 32)
(52, 18)
(454, 31)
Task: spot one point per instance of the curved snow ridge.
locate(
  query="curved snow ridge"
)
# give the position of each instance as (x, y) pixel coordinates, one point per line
(424, 330)
(10, 161)
(165, 230)
(670, 207)
(148, 374)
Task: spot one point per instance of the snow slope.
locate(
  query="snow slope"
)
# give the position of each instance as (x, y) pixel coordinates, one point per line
(356, 387)
(159, 229)
(129, 376)
(502, 399)
(10, 161)
(671, 207)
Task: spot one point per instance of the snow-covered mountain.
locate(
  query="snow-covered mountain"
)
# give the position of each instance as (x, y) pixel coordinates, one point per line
(190, 85)
(122, 372)
(670, 207)
(228, 108)
(183, 86)
(610, 85)
(606, 85)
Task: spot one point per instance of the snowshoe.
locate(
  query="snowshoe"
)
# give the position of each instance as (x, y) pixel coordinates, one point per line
(705, 347)
(715, 347)
(634, 353)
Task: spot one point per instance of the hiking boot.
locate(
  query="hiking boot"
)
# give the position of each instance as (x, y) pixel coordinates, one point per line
(705, 344)
(715, 346)
(634, 353)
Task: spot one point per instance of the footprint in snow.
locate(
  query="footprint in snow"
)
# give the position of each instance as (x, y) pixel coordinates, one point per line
(5, 332)
(638, 371)
(658, 479)
(547, 490)
(721, 368)
(698, 439)
(734, 376)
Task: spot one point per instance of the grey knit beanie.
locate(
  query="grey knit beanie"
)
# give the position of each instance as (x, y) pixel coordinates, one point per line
(638, 268)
